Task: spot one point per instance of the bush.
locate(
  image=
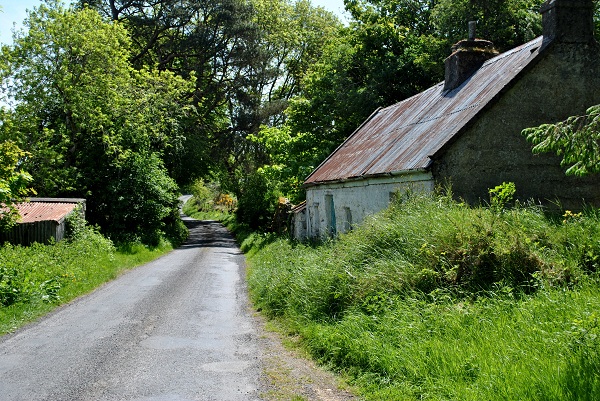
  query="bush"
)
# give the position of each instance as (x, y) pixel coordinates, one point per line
(145, 216)
(257, 202)
(37, 273)
(208, 197)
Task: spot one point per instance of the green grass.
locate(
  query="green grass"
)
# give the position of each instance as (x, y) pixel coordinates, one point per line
(36, 279)
(436, 300)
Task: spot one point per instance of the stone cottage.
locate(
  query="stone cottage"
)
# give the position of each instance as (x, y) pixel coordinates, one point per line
(467, 129)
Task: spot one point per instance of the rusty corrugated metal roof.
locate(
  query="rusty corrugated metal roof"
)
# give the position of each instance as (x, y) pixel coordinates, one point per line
(405, 136)
(32, 212)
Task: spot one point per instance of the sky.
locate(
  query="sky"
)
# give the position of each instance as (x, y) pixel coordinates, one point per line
(13, 11)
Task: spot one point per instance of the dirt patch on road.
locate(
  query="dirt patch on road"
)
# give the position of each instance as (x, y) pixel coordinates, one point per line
(290, 376)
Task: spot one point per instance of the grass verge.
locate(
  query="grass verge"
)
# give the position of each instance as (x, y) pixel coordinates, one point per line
(436, 300)
(36, 279)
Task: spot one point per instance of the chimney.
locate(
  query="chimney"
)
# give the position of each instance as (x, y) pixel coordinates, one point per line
(466, 58)
(568, 21)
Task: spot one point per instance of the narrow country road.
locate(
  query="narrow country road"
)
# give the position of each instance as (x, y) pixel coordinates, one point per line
(176, 329)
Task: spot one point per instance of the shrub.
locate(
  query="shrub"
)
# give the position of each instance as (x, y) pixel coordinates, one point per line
(37, 273)
(257, 201)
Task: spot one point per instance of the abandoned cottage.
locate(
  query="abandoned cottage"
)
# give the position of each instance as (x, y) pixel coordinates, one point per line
(466, 131)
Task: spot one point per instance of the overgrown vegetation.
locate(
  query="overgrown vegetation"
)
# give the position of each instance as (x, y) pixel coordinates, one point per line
(35, 279)
(433, 299)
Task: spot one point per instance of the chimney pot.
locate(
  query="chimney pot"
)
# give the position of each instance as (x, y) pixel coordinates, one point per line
(472, 28)
(466, 58)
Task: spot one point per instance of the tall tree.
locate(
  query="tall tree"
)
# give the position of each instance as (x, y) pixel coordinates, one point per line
(214, 39)
(248, 57)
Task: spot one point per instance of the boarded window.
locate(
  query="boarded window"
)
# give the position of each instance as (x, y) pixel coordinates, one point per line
(316, 220)
(348, 220)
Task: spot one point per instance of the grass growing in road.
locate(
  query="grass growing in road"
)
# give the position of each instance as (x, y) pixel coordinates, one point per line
(36, 279)
(436, 300)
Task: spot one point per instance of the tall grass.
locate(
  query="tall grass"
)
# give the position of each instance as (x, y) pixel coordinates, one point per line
(436, 300)
(36, 279)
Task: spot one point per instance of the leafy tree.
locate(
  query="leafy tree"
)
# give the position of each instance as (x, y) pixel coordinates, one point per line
(293, 37)
(248, 57)
(257, 200)
(577, 140)
(291, 158)
(217, 41)
(507, 23)
(88, 120)
(14, 183)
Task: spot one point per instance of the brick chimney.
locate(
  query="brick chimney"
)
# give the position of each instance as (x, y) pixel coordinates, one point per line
(466, 58)
(568, 21)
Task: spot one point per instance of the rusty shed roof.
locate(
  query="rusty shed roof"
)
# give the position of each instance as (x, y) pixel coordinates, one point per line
(405, 136)
(45, 210)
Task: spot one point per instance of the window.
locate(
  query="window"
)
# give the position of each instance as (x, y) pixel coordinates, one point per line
(348, 221)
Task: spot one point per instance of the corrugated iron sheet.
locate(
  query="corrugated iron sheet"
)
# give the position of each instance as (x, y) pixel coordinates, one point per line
(406, 135)
(32, 212)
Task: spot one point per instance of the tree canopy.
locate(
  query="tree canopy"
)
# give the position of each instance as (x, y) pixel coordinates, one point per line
(88, 120)
(14, 183)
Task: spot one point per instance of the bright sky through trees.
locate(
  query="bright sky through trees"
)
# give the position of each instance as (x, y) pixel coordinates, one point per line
(14, 12)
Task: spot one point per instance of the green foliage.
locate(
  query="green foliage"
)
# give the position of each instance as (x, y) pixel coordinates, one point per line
(37, 273)
(502, 195)
(506, 23)
(435, 299)
(290, 158)
(576, 140)
(580, 380)
(94, 127)
(257, 201)
(203, 195)
(248, 57)
(13, 182)
(209, 198)
(75, 224)
(156, 200)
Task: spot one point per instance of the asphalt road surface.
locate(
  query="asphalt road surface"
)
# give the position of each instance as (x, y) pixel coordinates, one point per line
(176, 329)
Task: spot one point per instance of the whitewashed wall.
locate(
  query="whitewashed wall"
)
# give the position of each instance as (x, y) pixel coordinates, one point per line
(334, 208)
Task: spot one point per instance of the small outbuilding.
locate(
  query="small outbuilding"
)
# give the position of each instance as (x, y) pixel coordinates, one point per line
(42, 219)
(466, 131)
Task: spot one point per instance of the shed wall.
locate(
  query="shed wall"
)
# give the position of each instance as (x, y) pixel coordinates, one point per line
(28, 233)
